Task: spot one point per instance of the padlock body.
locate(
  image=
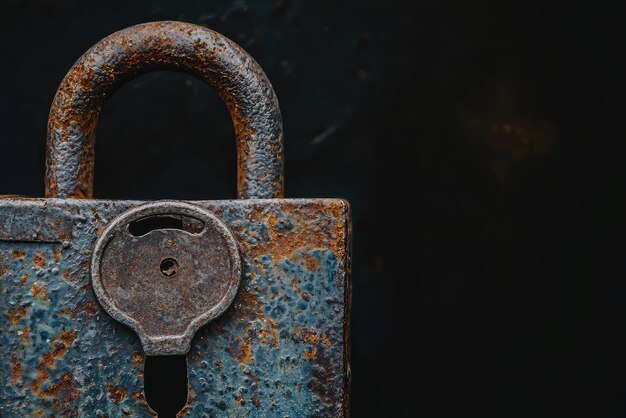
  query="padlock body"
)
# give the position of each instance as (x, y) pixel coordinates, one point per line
(280, 349)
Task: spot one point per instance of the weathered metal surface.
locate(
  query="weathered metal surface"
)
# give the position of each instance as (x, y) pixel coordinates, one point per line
(281, 349)
(239, 80)
(167, 282)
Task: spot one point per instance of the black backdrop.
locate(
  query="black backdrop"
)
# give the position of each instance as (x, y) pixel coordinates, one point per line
(481, 145)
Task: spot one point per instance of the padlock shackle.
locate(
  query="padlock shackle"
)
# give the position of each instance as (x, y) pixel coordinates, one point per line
(168, 45)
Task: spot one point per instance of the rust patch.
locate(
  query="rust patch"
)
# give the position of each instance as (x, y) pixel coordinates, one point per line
(18, 254)
(57, 255)
(246, 305)
(269, 332)
(39, 291)
(310, 336)
(67, 276)
(311, 263)
(42, 376)
(48, 361)
(39, 260)
(88, 307)
(243, 352)
(23, 279)
(259, 327)
(68, 337)
(326, 341)
(16, 370)
(65, 394)
(137, 358)
(24, 334)
(326, 231)
(18, 313)
(117, 394)
(3, 270)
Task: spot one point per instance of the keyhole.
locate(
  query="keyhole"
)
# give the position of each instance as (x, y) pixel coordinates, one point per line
(165, 384)
(169, 267)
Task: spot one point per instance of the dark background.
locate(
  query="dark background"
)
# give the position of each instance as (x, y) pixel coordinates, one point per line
(481, 145)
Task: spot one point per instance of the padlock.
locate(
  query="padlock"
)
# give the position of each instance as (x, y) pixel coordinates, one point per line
(254, 291)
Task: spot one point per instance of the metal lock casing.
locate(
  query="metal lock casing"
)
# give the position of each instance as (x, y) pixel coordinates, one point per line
(280, 349)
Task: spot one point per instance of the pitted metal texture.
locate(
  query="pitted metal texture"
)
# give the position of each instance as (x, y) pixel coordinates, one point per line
(167, 282)
(238, 79)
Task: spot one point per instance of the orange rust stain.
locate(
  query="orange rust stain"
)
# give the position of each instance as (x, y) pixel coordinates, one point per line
(40, 260)
(66, 379)
(19, 313)
(39, 291)
(52, 188)
(25, 335)
(66, 276)
(68, 337)
(326, 341)
(137, 396)
(64, 394)
(261, 267)
(18, 254)
(48, 361)
(88, 307)
(270, 331)
(3, 271)
(42, 376)
(311, 263)
(311, 354)
(117, 394)
(244, 353)
(240, 400)
(137, 358)
(246, 305)
(16, 370)
(57, 255)
(23, 279)
(259, 327)
(326, 231)
(311, 336)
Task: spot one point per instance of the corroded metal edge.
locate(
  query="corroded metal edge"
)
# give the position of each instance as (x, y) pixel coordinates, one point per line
(212, 57)
(347, 309)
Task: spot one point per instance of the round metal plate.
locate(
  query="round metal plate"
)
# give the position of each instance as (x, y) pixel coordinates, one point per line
(168, 282)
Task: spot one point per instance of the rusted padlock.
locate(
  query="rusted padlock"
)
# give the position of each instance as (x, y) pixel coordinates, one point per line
(254, 291)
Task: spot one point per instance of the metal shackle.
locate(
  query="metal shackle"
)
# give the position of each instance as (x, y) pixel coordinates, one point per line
(168, 45)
